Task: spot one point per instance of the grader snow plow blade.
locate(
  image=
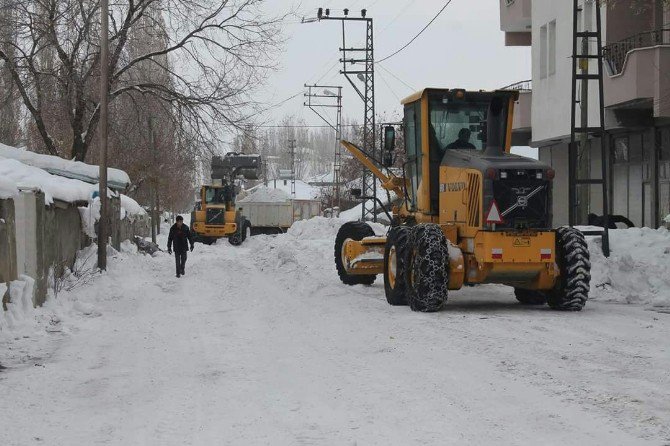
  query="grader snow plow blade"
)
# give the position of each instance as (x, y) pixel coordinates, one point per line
(364, 257)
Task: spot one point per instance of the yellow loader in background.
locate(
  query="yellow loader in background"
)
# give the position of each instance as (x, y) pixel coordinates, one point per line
(469, 212)
(215, 215)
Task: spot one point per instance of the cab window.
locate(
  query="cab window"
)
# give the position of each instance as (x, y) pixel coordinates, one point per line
(412, 126)
(456, 125)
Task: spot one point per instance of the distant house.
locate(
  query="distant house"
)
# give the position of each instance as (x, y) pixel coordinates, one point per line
(322, 180)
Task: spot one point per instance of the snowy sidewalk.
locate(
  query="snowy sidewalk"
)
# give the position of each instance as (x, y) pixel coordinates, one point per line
(261, 344)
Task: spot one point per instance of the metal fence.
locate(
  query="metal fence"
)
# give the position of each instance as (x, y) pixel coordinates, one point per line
(615, 53)
(521, 86)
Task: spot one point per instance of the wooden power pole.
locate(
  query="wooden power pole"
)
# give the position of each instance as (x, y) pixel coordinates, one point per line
(103, 226)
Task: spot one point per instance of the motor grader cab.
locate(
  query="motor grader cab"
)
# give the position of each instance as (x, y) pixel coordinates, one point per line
(470, 213)
(215, 215)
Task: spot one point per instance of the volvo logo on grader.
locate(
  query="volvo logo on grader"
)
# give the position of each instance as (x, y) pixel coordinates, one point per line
(430, 247)
(455, 187)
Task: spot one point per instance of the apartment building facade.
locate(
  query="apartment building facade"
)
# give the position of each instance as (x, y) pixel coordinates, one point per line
(636, 40)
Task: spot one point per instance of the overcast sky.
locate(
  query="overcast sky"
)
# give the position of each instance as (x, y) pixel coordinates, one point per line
(463, 48)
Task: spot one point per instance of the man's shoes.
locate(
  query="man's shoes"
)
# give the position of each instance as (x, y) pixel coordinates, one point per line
(178, 276)
(183, 272)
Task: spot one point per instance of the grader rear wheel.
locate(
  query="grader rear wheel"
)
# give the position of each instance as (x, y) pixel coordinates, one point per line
(395, 255)
(572, 289)
(353, 230)
(427, 268)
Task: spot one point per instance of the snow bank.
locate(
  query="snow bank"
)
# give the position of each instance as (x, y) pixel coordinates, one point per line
(53, 186)
(117, 179)
(264, 194)
(638, 270)
(320, 228)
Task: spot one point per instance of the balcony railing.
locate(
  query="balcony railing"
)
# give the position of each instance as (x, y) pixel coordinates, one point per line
(615, 53)
(523, 86)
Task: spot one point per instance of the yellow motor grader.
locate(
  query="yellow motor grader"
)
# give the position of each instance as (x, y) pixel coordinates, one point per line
(467, 212)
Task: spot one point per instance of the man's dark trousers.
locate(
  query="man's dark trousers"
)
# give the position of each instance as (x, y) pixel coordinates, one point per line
(180, 261)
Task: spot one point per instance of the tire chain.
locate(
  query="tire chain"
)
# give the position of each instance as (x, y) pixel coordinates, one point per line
(430, 265)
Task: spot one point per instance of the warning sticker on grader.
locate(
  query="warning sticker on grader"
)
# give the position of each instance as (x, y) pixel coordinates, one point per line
(521, 241)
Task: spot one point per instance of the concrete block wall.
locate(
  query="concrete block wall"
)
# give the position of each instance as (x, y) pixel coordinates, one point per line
(130, 227)
(8, 271)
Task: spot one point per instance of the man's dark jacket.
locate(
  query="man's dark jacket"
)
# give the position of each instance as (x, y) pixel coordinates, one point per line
(180, 238)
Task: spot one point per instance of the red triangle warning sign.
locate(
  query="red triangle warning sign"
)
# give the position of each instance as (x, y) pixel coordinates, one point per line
(494, 216)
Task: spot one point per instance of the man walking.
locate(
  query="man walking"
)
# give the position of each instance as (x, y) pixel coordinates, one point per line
(180, 236)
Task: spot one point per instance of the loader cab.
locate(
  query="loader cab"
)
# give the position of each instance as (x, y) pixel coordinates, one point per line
(441, 120)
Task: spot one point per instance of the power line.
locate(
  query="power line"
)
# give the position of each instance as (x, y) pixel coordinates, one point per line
(300, 126)
(417, 36)
(396, 77)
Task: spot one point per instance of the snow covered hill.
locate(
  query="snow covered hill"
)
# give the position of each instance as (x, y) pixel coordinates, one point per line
(261, 344)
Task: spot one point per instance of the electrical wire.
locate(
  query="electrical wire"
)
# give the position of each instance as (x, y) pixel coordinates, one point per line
(417, 36)
(396, 77)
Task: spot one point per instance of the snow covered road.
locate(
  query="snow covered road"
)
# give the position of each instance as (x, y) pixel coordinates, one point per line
(261, 344)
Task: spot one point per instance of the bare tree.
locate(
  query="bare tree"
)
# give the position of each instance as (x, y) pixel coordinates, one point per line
(215, 53)
(9, 100)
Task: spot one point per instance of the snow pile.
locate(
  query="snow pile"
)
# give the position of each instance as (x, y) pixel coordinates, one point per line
(8, 188)
(54, 187)
(117, 179)
(130, 207)
(638, 270)
(303, 191)
(20, 306)
(667, 218)
(91, 214)
(264, 194)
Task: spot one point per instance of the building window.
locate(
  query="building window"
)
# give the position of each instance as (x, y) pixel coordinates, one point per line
(551, 51)
(543, 52)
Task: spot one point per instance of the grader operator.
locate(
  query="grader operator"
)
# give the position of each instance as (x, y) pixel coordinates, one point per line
(469, 213)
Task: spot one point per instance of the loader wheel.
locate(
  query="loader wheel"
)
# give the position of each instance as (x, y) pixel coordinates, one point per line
(246, 230)
(427, 268)
(353, 230)
(395, 255)
(530, 297)
(572, 254)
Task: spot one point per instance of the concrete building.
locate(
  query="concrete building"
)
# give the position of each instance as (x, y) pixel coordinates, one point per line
(636, 40)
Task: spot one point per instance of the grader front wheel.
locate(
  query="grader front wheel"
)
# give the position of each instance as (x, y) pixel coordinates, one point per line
(427, 272)
(395, 256)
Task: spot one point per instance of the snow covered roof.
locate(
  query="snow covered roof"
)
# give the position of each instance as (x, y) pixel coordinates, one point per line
(321, 178)
(117, 179)
(16, 175)
(130, 206)
(303, 191)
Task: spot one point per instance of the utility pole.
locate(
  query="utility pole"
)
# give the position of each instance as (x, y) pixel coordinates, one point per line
(103, 229)
(314, 102)
(352, 59)
(584, 162)
(291, 146)
(154, 181)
